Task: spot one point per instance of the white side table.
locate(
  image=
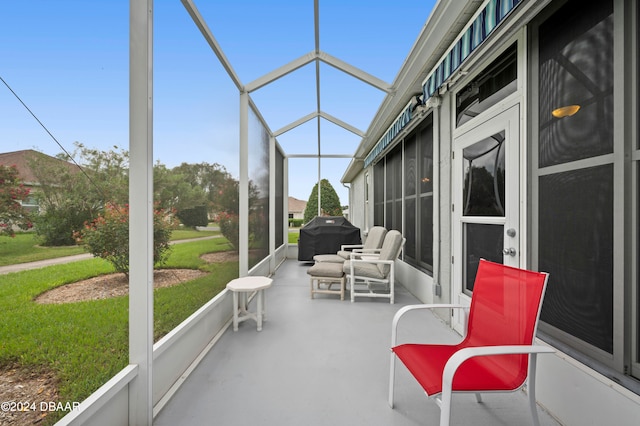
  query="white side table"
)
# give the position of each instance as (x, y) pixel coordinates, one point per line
(244, 286)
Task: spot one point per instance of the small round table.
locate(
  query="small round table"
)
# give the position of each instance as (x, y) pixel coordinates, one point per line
(244, 286)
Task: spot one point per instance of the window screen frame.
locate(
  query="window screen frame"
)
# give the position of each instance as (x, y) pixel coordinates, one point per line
(615, 364)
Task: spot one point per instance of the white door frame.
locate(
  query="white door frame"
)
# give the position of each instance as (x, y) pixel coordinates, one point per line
(507, 120)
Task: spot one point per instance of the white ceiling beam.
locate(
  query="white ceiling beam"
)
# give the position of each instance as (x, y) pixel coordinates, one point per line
(295, 124)
(208, 36)
(280, 72)
(320, 156)
(342, 124)
(321, 114)
(355, 72)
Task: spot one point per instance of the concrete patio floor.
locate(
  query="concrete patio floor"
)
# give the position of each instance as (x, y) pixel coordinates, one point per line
(324, 362)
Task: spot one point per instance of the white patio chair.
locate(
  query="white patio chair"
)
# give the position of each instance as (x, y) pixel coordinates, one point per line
(377, 275)
(371, 246)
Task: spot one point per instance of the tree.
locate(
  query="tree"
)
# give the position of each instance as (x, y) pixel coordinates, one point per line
(173, 190)
(329, 202)
(69, 195)
(226, 202)
(212, 179)
(12, 191)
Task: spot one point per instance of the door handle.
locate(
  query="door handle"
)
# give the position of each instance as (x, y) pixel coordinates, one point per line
(509, 251)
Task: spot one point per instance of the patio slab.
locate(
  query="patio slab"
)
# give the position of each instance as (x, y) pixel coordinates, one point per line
(323, 361)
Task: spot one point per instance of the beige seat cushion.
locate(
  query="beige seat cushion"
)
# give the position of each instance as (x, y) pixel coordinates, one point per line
(390, 250)
(332, 258)
(326, 269)
(362, 269)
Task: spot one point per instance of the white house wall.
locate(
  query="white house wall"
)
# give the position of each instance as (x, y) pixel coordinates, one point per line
(357, 203)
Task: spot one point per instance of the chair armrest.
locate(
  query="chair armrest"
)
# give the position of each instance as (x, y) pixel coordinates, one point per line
(364, 254)
(351, 246)
(462, 355)
(405, 309)
(380, 261)
(364, 250)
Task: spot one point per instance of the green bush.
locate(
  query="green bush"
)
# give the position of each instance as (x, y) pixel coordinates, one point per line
(108, 236)
(57, 225)
(195, 216)
(230, 228)
(296, 223)
(12, 191)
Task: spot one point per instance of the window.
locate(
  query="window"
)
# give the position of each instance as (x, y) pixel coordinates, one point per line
(425, 185)
(579, 224)
(403, 194)
(496, 82)
(279, 207)
(410, 197)
(378, 193)
(393, 198)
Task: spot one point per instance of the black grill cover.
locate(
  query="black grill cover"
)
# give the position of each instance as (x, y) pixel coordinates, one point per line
(325, 235)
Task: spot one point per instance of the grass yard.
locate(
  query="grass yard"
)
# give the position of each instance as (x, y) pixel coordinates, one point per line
(24, 246)
(185, 234)
(294, 234)
(86, 343)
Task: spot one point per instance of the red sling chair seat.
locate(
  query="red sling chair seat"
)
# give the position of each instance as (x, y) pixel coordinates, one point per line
(496, 354)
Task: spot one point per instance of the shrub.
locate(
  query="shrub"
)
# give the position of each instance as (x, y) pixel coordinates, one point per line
(296, 223)
(57, 224)
(229, 227)
(108, 236)
(196, 216)
(12, 191)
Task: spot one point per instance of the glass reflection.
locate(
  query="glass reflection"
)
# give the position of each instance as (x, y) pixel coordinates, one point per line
(258, 190)
(481, 241)
(484, 174)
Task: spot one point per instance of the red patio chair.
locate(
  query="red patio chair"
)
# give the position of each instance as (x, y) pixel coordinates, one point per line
(497, 353)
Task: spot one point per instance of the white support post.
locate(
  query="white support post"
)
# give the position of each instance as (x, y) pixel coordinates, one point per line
(285, 200)
(319, 188)
(243, 196)
(141, 210)
(272, 204)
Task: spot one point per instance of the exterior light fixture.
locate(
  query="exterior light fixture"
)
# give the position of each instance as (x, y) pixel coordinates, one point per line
(417, 102)
(565, 111)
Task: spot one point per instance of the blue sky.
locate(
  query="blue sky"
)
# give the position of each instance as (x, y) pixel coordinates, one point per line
(68, 61)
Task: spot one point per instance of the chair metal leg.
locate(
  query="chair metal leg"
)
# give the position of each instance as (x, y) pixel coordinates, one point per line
(392, 377)
(392, 284)
(445, 407)
(351, 286)
(531, 389)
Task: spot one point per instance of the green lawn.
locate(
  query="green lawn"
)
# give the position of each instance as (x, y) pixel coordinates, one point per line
(24, 246)
(86, 343)
(294, 234)
(185, 234)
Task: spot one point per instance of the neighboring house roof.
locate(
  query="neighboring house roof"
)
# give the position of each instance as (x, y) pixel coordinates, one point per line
(296, 206)
(22, 160)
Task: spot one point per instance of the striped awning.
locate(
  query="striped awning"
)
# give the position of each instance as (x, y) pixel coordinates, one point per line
(483, 25)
